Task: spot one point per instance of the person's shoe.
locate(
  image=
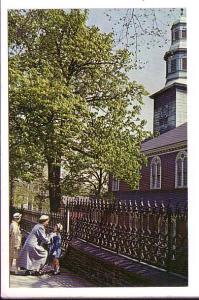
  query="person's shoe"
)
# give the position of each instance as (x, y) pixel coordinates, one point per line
(38, 273)
(57, 272)
(29, 272)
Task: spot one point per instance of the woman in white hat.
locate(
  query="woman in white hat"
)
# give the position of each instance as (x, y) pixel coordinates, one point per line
(33, 255)
(15, 239)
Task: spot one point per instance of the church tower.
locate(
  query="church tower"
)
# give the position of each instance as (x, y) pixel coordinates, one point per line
(170, 103)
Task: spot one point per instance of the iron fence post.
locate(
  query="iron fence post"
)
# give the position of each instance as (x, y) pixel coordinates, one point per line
(169, 245)
(67, 220)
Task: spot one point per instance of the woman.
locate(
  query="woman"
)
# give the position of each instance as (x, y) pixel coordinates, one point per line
(15, 239)
(33, 255)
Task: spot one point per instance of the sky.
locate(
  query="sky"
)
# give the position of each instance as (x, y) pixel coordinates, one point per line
(152, 76)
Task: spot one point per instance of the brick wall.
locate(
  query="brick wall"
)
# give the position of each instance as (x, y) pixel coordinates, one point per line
(124, 186)
(107, 269)
(168, 170)
(145, 177)
(168, 174)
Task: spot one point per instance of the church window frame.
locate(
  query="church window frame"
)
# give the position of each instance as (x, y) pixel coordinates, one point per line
(155, 173)
(115, 184)
(181, 170)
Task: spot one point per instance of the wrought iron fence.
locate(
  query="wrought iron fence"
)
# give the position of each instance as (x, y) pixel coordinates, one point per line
(31, 218)
(146, 232)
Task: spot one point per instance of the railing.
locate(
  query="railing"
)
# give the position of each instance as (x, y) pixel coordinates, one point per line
(152, 234)
(30, 218)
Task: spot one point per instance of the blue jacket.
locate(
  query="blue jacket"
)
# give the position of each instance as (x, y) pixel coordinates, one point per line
(55, 245)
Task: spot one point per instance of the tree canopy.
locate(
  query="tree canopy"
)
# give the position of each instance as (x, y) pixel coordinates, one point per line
(69, 96)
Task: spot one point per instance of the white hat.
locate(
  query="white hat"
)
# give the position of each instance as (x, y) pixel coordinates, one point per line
(43, 218)
(17, 215)
(59, 226)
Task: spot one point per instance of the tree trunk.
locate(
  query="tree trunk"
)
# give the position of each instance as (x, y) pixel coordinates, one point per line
(99, 184)
(12, 187)
(54, 174)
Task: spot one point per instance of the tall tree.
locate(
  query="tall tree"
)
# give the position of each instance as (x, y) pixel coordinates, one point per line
(26, 161)
(71, 94)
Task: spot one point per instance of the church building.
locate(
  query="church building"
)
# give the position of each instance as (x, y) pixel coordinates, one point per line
(164, 179)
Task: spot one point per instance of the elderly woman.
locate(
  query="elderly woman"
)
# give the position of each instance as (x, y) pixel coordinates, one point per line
(33, 255)
(15, 239)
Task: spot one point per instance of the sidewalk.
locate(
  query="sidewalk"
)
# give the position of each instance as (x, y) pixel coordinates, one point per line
(65, 279)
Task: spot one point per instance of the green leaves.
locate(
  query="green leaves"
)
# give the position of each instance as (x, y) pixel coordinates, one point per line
(70, 100)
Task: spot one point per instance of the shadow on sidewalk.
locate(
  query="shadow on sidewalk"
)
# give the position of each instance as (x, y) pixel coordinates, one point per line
(65, 279)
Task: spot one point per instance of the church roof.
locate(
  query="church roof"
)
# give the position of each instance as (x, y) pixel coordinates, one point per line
(175, 84)
(177, 135)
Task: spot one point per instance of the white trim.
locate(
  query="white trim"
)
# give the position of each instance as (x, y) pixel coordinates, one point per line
(163, 153)
(165, 149)
(178, 156)
(155, 160)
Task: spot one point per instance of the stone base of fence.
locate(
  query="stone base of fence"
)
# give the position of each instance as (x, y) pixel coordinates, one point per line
(108, 269)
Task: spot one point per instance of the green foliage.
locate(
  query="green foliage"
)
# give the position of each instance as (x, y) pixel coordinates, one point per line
(70, 98)
(83, 177)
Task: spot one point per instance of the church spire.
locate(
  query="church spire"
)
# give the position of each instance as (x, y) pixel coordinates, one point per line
(176, 57)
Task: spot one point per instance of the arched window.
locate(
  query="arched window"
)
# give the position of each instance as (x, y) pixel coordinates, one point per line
(115, 184)
(155, 178)
(181, 170)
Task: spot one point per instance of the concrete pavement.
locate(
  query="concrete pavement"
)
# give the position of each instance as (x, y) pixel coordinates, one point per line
(65, 279)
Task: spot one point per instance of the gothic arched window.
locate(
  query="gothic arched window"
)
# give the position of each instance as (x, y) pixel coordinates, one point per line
(115, 184)
(181, 170)
(155, 178)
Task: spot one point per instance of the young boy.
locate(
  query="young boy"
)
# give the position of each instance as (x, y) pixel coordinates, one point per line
(55, 248)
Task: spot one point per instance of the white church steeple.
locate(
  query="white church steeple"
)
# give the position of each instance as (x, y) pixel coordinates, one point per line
(170, 103)
(176, 57)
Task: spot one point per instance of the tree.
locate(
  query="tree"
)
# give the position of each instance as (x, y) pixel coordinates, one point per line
(71, 94)
(25, 160)
(83, 177)
(142, 29)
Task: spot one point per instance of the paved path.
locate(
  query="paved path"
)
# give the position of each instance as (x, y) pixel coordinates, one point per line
(66, 279)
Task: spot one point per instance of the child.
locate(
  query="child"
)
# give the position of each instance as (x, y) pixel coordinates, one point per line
(55, 248)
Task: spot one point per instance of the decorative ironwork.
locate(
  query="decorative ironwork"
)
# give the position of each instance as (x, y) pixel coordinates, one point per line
(147, 232)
